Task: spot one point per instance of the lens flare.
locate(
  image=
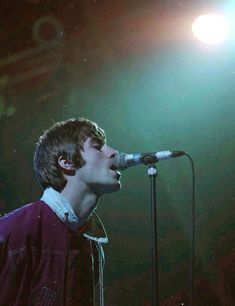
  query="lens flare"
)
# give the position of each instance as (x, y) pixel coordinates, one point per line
(210, 29)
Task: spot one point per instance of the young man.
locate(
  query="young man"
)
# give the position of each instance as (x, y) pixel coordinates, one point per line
(51, 250)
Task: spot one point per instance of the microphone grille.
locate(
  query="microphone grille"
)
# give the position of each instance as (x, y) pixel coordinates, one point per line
(121, 161)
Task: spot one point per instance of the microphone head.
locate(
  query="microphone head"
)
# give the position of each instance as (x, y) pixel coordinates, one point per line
(120, 161)
(123, 161)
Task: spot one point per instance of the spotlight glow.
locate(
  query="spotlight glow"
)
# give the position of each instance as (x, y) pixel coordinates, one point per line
(210, 29)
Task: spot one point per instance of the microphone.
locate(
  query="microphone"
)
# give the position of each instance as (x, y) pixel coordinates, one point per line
(124, 161)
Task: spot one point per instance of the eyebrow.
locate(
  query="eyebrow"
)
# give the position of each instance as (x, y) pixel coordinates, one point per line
(97, 140)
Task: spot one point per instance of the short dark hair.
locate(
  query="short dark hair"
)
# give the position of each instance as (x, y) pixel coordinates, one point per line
(65, 139)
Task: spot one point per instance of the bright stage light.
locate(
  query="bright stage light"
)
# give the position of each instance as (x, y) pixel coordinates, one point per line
(210, 29)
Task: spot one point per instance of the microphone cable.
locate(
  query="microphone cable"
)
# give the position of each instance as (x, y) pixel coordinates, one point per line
(193, 231)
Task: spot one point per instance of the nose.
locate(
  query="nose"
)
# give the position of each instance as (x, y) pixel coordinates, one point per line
(111, 153)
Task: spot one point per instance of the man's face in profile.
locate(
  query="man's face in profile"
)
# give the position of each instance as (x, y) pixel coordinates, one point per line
(99, 173)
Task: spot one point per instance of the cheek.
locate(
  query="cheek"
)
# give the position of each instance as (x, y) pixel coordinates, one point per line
(95, 163)
(95, 167)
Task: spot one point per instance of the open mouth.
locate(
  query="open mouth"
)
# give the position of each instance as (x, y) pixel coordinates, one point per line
(113, 167)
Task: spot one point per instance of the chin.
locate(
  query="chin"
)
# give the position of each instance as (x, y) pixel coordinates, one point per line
(116, 187)
(109, 188)
(112, 187)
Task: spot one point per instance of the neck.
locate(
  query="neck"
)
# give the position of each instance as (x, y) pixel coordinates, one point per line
(83, 202)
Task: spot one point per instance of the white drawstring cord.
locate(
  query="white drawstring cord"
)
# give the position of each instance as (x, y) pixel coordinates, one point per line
(101, 273)
(93, 272)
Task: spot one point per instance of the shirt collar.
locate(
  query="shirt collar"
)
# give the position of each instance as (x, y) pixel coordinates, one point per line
(60, 206)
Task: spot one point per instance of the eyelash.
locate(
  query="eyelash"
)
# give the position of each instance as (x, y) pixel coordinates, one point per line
(97, 147)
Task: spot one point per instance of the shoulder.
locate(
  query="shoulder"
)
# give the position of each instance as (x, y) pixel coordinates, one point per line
(22, 221)
(23, 214)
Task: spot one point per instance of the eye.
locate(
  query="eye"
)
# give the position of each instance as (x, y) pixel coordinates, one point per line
(97, 147)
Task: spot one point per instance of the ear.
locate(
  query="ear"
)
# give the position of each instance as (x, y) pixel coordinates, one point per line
(66, 166)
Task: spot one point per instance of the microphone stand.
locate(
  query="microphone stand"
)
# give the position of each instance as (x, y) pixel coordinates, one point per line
(152, 174)
(127, 160)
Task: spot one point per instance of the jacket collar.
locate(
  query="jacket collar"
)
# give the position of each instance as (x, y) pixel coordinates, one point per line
(95, 229)
(61, 207)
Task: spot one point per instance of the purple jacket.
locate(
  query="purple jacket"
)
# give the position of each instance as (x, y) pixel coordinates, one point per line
(43, 262)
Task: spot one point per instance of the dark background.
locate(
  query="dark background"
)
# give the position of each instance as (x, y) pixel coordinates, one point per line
(135, 68)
